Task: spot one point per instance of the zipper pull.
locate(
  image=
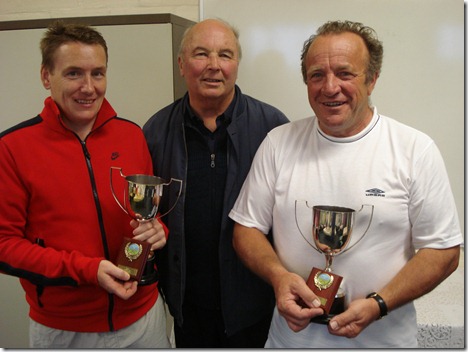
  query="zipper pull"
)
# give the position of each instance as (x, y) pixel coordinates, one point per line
(212, 161)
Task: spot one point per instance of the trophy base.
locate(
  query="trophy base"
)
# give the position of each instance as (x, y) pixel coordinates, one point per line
(132, 257)
(326, 286)
(337, 307)
(150, 275)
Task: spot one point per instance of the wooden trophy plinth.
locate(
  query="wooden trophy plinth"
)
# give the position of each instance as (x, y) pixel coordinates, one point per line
(132, 257)
(326, 285)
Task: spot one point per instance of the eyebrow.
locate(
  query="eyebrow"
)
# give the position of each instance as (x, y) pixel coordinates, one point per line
(226, 50)
(68, 68)
(340, 67)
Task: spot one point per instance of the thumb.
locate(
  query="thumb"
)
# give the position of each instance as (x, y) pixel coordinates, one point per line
(118, 273)
(123, 275)
(308, 297)
(341, 320)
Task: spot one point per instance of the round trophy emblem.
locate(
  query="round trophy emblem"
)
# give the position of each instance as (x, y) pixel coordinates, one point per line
(133, 250)
(323, 280)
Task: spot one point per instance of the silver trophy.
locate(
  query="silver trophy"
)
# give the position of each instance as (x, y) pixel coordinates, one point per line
(332, 227)
(141, 197)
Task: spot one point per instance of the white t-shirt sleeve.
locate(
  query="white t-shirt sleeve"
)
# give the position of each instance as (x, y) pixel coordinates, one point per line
(432, 211)
(254, 205)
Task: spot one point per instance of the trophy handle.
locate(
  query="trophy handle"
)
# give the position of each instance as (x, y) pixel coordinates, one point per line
(367, 228)
(112, 188)
(178, 196)
(299, 228)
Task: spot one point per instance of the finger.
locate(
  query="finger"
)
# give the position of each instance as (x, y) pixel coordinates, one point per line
(141, 227)
(298, 324)
(127, 290)
(151, 236)
(134, 223)
(160, 243)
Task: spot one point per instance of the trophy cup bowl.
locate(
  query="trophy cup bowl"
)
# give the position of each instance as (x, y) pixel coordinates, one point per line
(141, 198)
(143, 195)
(332, 227)
(331, 230)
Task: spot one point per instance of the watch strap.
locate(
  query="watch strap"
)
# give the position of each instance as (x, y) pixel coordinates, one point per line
(382, 305)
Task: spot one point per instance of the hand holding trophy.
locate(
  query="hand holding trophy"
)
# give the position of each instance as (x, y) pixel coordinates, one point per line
(331, 231)
(141, 198)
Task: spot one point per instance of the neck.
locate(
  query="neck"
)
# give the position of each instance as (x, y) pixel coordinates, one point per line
(81, 130)
(209, 109)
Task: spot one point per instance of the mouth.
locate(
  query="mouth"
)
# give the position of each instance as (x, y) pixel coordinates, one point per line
(333, 104)
(85, 101)
(212, 80)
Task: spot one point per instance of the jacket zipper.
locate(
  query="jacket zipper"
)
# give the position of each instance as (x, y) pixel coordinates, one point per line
(101, 224)
(212, 164)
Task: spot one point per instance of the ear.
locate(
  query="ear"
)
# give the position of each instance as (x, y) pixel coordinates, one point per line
(45, 77)
(371, 85)
(181, 66)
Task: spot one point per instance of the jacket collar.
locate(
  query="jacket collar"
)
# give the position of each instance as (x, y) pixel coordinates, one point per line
(51, 115)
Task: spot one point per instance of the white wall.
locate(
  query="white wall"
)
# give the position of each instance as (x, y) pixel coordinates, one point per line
(422, 81)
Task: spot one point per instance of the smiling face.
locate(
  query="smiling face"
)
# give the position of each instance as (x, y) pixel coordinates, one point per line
(336, 67)
(77, 84)
(209, 63)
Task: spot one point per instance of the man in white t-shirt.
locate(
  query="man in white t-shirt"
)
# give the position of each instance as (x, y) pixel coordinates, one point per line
(348, 155)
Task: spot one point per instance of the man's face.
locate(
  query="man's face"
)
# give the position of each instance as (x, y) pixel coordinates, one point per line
(336, 83)
(77, 84)
(210, 62)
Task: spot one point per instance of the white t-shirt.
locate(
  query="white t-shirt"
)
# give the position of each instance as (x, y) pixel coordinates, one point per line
(393, 167)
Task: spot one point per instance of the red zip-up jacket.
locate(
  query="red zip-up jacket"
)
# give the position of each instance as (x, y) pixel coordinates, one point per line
(58, 218)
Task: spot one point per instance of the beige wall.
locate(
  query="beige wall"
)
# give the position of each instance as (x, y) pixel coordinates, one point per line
(13, 306)
(13, 10)
(422, 79)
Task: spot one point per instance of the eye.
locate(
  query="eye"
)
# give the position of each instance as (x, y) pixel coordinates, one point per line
(72, 74)
(99, 74)
(316, 76)
(345, 75)
(226, 55)
(200, 54)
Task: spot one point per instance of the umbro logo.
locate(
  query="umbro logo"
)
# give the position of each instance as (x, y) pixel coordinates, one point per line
(115, 155)
(375, 192)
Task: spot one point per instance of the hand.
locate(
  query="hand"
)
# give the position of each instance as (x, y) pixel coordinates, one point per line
(295, 301)
(355, 319)
(115, 280)
(150, 231)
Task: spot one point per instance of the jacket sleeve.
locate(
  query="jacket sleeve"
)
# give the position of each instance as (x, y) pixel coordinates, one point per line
(19, 254)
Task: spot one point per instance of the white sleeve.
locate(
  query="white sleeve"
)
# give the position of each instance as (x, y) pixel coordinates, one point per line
(432, 209)
(254, 205)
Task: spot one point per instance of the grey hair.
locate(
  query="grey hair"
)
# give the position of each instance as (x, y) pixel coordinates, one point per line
(188, 32)
(373, 44)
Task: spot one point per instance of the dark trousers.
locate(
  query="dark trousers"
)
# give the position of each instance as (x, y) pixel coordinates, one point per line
(203, 328)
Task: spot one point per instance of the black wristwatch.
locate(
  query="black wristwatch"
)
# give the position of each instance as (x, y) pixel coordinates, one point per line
(381, 302)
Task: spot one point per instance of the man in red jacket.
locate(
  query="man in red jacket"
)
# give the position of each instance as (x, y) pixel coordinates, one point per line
(60, 227)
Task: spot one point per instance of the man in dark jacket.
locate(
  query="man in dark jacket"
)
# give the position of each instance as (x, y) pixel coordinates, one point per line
(208, 139)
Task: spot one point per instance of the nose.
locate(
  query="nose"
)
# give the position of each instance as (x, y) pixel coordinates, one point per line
(331, 85)
(87, 85)
(213, 62)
